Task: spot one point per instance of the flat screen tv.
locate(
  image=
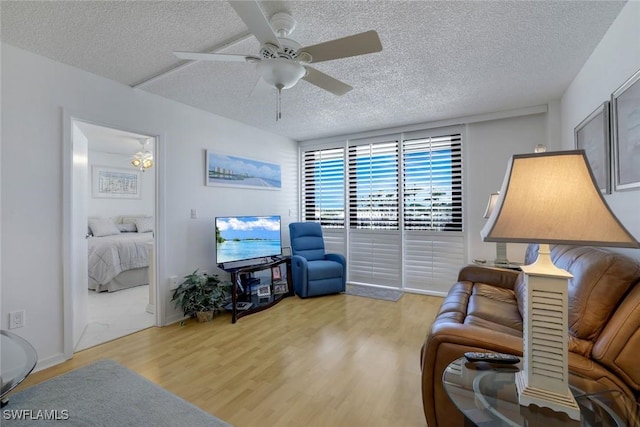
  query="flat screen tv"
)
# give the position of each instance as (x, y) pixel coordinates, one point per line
(242, 238)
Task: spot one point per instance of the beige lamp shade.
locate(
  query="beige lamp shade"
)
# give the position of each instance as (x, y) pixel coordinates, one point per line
(550, 198)
(491, 205)
(553, 198)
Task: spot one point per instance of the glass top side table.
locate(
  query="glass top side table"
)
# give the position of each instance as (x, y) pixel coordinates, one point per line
(17, 360)
(486, 395)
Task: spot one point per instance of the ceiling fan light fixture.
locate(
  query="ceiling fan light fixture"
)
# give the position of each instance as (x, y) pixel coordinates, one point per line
(281, 61)
(281, 72)
(143, 159)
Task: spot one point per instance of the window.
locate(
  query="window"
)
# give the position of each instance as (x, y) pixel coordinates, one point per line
(373, 186)
(432, 178)
(323, 182)
(392, 204)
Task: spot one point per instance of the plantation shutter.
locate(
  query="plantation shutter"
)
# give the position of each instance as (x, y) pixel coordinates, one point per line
(374, 236)
(373, 186)
(432, 178)
(323, 182)
(432, 206)
(392, 204)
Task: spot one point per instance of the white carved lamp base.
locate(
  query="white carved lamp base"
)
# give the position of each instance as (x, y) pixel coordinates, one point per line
(501, 254)
(544, 379)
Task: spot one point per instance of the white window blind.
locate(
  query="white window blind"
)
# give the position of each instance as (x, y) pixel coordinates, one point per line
(373, 186)
(323, 183)
(432, 259)
(334, 240)
(375, 258)
(432, 178)
(403, 200)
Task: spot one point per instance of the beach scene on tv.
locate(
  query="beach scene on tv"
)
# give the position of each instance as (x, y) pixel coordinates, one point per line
(247, 237)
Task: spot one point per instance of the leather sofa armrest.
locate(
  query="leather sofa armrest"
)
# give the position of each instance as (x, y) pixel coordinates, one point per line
(502, 278)
(473, 337)
(447, 342)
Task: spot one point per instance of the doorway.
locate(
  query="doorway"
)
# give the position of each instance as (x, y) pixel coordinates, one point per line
(107, 297)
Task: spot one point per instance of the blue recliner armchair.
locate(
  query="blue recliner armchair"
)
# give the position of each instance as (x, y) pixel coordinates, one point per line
(313, 271)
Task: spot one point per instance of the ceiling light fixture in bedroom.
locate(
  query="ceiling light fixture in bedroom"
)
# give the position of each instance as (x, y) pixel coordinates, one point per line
(143, 159)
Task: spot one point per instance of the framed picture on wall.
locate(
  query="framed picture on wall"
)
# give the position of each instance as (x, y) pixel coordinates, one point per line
(592, 135)
(235, 171)
(114, 183)
(625, 108)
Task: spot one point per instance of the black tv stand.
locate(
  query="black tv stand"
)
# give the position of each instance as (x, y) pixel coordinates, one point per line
(260, 286)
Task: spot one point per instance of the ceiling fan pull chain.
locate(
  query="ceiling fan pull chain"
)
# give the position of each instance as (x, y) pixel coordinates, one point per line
(279, 102)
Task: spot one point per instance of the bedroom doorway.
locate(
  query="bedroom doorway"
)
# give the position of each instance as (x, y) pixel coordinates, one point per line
(112, 205)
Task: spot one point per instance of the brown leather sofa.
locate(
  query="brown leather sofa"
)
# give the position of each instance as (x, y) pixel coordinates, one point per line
(481, 313)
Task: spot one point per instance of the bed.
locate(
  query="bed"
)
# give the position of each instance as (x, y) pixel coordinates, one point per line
(118, 256)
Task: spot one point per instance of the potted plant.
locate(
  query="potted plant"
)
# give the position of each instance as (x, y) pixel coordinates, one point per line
(201, 295)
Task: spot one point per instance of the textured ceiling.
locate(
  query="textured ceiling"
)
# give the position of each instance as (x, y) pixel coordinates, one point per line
(440, 60)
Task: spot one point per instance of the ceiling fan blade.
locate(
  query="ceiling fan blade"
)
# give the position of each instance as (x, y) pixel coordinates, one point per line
(326, 82)
(194, 56)
(254, 19)
(357, 44)
(261, 88)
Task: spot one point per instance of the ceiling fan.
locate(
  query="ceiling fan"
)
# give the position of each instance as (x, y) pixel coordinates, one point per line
(282, 62)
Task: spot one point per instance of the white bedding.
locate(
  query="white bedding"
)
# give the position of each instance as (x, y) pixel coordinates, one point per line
(111, 255)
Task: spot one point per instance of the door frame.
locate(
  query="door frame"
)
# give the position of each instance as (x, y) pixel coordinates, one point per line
(67, 212)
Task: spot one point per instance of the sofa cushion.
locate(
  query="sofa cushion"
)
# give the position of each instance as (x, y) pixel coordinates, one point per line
(482, 305)
(494, 308)
(600, 280)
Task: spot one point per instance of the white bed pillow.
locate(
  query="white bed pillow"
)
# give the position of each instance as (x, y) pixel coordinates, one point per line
(103, 227)
(131, 219)
(144, 225)
(127, 228)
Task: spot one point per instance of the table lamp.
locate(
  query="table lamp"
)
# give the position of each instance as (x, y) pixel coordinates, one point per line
(550, 198)
(501, 247)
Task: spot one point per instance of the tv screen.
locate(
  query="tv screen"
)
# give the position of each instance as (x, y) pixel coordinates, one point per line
(240, 238)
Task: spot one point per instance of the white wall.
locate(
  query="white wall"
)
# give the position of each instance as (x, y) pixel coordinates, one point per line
(107, 207)
(489, 146)
(614, 60)
(35, 90)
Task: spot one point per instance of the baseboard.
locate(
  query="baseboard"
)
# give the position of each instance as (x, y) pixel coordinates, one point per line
(175, 319)
(423, 292)
(49, 362)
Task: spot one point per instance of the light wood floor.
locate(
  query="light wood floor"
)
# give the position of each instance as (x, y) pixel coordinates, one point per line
(338, 360)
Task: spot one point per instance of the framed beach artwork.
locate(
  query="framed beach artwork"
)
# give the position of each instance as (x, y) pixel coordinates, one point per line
(592, 135)
(114, 183)
(235, 171)
(625, 109)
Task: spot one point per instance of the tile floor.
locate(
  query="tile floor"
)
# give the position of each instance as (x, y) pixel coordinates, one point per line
(115, 314)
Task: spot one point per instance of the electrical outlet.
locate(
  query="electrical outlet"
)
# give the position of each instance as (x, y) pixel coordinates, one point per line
(173, 282)
(16, 319)
(194, 213)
